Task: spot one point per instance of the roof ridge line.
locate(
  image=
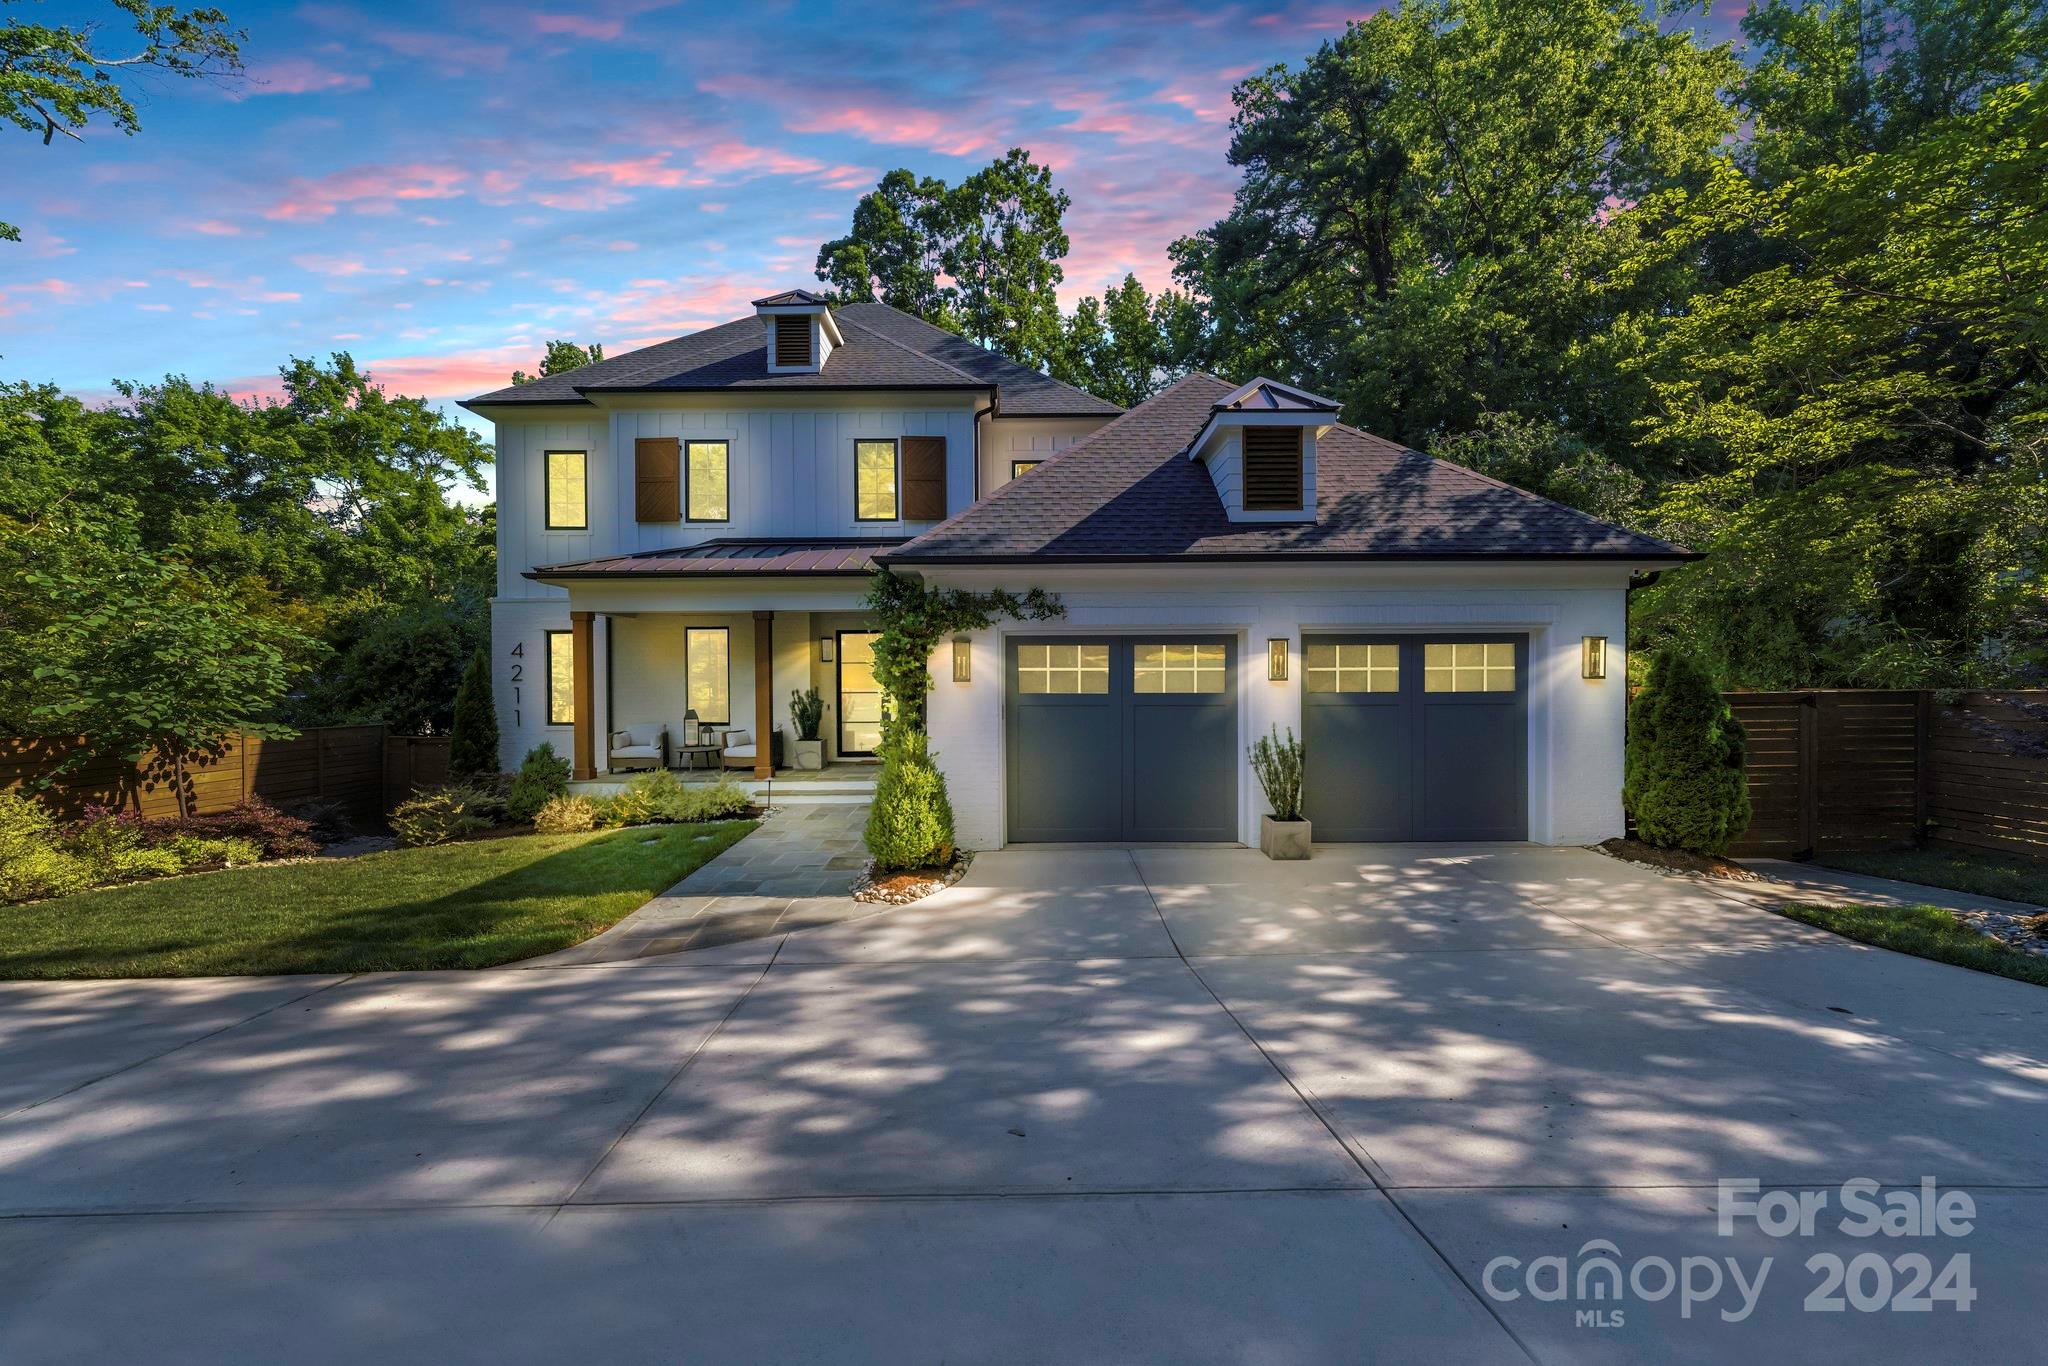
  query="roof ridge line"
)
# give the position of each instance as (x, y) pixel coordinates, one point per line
(921, 355)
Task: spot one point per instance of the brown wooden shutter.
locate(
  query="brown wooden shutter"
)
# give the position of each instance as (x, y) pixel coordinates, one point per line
(657, 479)
(924, 478)
(1272, 469)
(793, 339)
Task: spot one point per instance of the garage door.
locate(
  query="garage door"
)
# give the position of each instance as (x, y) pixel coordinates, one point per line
(1416, 738)
(1116, 739)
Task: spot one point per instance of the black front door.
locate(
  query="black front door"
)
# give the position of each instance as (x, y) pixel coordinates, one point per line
(1415, 737)
(1113, 739)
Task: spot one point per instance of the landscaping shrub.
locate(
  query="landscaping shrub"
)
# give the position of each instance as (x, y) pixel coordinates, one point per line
(1277, 764)
(195, 852)
(910, 824)
(639, 803)
(275, 833)
(32, 865)
(454, 812)
(1684, 785)
(806, 712)
(566, 816)
(721, 800)
(543, 776)
(473, 739)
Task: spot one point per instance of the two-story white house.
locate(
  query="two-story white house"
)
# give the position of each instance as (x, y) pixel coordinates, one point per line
(686, 531)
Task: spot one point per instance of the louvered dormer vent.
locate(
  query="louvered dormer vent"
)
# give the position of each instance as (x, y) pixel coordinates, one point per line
(1272, 469)
(793, 340)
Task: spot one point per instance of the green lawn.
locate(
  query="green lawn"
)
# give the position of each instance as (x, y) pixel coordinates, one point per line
(456, 906)
(1924, 932)
(1960, 870)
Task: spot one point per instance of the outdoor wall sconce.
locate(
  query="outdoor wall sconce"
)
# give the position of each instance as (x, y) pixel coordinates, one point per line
(1593, 656)
(825, 649)
(963, 660)
(1276, 659)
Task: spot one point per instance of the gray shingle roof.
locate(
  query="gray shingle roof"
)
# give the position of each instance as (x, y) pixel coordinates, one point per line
(885, 349)
(726, 557)
(1128, 492)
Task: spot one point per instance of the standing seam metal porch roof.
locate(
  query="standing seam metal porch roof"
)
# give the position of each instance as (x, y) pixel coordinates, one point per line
(726, 558)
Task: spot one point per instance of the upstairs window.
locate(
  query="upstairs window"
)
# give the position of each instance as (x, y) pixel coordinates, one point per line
(793, 339)
(564, 494)
(874, 481)
(1272, 469)
(1022, 467)
(705, 474)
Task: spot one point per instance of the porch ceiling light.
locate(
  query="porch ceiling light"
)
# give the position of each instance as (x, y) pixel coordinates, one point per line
(825, 649)
(1276, 659)
(963, 660)
(1593, 656)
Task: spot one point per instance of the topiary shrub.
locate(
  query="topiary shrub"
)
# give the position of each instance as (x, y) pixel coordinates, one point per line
(444, 814)
(543, 776)
(32, 864)
(566, 816)
(473, 739)
(910, 824)
(1684, 784)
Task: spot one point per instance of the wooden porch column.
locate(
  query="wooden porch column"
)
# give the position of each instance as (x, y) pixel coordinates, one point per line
(584, 762)
(764, 690)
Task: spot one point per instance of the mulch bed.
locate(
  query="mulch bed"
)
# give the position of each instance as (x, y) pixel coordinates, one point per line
(1677, 860)
(911, 884)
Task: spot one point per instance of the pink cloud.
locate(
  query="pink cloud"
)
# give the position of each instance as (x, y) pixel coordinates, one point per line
(13, 298)
(301, 76)
(366, 189)
(447, 50)
(216, 227)
(578, 25)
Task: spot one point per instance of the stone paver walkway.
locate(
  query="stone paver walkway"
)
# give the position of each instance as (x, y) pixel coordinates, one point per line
(793, 873)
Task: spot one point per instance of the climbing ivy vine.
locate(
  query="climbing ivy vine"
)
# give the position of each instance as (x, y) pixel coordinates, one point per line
(915, 617)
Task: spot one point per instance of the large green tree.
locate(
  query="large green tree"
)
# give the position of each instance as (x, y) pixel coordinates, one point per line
(299, 526)
(1419, 229)
(54, 78)
(1127, 345)
(981, 258)
(1858, 424)
(560, 358)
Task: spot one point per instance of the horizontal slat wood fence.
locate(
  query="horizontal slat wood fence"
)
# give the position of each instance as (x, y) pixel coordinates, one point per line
(361, 767)
(1863, 769)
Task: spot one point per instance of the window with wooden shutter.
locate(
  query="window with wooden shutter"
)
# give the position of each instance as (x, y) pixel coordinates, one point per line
(793, 339)
(924, 478)
(1272, 469)
(657, 481)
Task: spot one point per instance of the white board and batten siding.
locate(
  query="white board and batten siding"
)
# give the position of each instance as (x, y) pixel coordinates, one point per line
(790, 470)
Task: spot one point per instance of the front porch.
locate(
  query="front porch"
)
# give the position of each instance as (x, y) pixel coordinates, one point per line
(706, 644)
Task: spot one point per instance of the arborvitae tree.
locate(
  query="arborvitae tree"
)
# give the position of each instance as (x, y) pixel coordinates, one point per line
(473, 740)
(1684, 784)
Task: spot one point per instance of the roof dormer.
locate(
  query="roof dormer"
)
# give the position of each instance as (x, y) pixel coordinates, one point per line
(800, 331)
(1260, 447)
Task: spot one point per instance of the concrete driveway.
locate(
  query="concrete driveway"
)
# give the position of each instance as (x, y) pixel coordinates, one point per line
(1087, 1106)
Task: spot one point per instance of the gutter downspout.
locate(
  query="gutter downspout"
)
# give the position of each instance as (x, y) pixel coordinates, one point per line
(995, 398)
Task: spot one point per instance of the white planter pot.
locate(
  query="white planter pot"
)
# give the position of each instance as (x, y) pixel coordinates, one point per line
(1285, 839)
(810, 754)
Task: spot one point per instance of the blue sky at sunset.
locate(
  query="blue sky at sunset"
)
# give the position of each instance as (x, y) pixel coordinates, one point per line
(439, 188)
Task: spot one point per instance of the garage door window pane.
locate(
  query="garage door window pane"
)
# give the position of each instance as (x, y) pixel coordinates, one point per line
(1177, 669)
(1353, 668)
(1068, 670)
(1488, 667)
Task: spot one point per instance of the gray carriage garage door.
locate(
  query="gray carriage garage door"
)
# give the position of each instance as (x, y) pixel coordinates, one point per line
(1115, 739)
(1416, 738)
